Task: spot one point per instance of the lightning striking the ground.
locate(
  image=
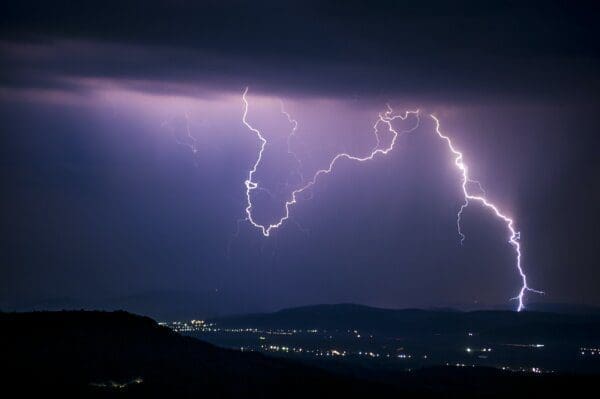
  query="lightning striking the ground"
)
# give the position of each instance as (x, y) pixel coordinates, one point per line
(386, 118)
(466, 183)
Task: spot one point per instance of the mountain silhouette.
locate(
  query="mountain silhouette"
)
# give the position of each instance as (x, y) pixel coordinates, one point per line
(106, 354)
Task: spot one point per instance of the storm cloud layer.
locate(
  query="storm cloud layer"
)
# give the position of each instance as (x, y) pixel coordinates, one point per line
(428, 50)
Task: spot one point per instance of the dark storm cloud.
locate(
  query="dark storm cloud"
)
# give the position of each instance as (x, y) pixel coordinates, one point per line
(443, 50)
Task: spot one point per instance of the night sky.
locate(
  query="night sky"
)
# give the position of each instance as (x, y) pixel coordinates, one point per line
(103, 195)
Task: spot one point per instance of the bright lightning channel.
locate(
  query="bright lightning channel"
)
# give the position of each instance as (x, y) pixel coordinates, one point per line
(514, 235)
(386, 118)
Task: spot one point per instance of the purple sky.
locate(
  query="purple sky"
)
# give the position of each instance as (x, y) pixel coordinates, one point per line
(102, 199)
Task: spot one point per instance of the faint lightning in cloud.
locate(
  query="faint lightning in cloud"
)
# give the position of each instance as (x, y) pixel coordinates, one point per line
(188, 140)
(294, 124)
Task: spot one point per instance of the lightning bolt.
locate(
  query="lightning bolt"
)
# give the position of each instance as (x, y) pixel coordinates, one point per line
(514, 235)
(386, 118)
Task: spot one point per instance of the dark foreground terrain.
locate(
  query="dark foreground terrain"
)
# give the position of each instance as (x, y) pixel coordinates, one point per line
(98, 354)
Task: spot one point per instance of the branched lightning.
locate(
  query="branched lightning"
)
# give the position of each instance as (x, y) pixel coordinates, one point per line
(386, 118)
(514, 235)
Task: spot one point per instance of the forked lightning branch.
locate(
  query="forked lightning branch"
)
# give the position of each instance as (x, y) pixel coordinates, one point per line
(384, 119)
